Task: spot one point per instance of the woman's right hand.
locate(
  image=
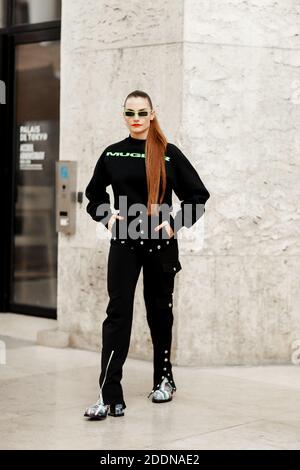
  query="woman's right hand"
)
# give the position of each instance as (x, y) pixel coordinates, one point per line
(113, 219)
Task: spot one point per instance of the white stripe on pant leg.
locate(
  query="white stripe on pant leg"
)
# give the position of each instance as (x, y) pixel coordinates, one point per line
(105, 376)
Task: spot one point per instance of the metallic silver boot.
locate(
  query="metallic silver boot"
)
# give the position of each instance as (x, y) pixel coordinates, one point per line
(116, 410)
(98, 410)
(163, 393)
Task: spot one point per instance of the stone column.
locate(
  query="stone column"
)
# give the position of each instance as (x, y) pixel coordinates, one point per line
(239, 298)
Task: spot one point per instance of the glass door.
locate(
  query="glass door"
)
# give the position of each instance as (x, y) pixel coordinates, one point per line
(36, 140)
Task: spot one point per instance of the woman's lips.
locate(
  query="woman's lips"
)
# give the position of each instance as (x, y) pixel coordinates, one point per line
(136, 125)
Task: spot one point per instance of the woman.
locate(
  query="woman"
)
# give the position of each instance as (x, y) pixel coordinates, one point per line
(143, 169)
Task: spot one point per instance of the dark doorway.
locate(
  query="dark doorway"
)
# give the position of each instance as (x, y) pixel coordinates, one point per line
(30, 59)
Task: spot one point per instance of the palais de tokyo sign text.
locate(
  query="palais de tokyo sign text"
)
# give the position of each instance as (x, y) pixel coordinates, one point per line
(30, 158)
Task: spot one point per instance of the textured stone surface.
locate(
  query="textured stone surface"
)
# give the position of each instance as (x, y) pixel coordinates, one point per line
(225, 81)
(248, 23)
(249, 316)
(97, 25)
(54, 338)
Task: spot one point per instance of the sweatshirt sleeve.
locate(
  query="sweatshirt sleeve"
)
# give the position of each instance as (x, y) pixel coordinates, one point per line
(96, 193)
(189, 189)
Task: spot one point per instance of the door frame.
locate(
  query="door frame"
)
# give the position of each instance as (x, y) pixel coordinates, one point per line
(10, 37)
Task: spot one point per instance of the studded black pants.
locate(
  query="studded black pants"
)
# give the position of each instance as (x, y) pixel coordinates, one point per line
(160, 262)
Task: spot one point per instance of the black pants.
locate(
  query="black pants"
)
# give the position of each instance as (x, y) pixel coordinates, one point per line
(160, 262)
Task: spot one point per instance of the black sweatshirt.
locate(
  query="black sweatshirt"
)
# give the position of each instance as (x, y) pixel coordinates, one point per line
(123, 166)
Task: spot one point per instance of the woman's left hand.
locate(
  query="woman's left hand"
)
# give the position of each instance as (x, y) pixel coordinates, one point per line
(167, 227)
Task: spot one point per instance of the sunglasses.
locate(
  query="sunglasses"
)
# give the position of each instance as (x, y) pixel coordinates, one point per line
(130, 113)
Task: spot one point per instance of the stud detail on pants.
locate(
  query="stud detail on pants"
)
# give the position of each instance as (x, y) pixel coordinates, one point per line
(167, 242)
(174, 268)
(166, 351)
(165, 369)
(122, 241)
(170, 305)
(142, 242)
(166, 360)
(158, 247)
(150, 249)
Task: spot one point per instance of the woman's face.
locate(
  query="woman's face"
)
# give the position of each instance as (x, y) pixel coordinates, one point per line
(138, 125)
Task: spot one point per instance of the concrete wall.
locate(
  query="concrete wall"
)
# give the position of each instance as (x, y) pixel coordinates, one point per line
(225, 80)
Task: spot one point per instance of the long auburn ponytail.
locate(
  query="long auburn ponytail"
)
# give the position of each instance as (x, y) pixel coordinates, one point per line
(155, 147)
